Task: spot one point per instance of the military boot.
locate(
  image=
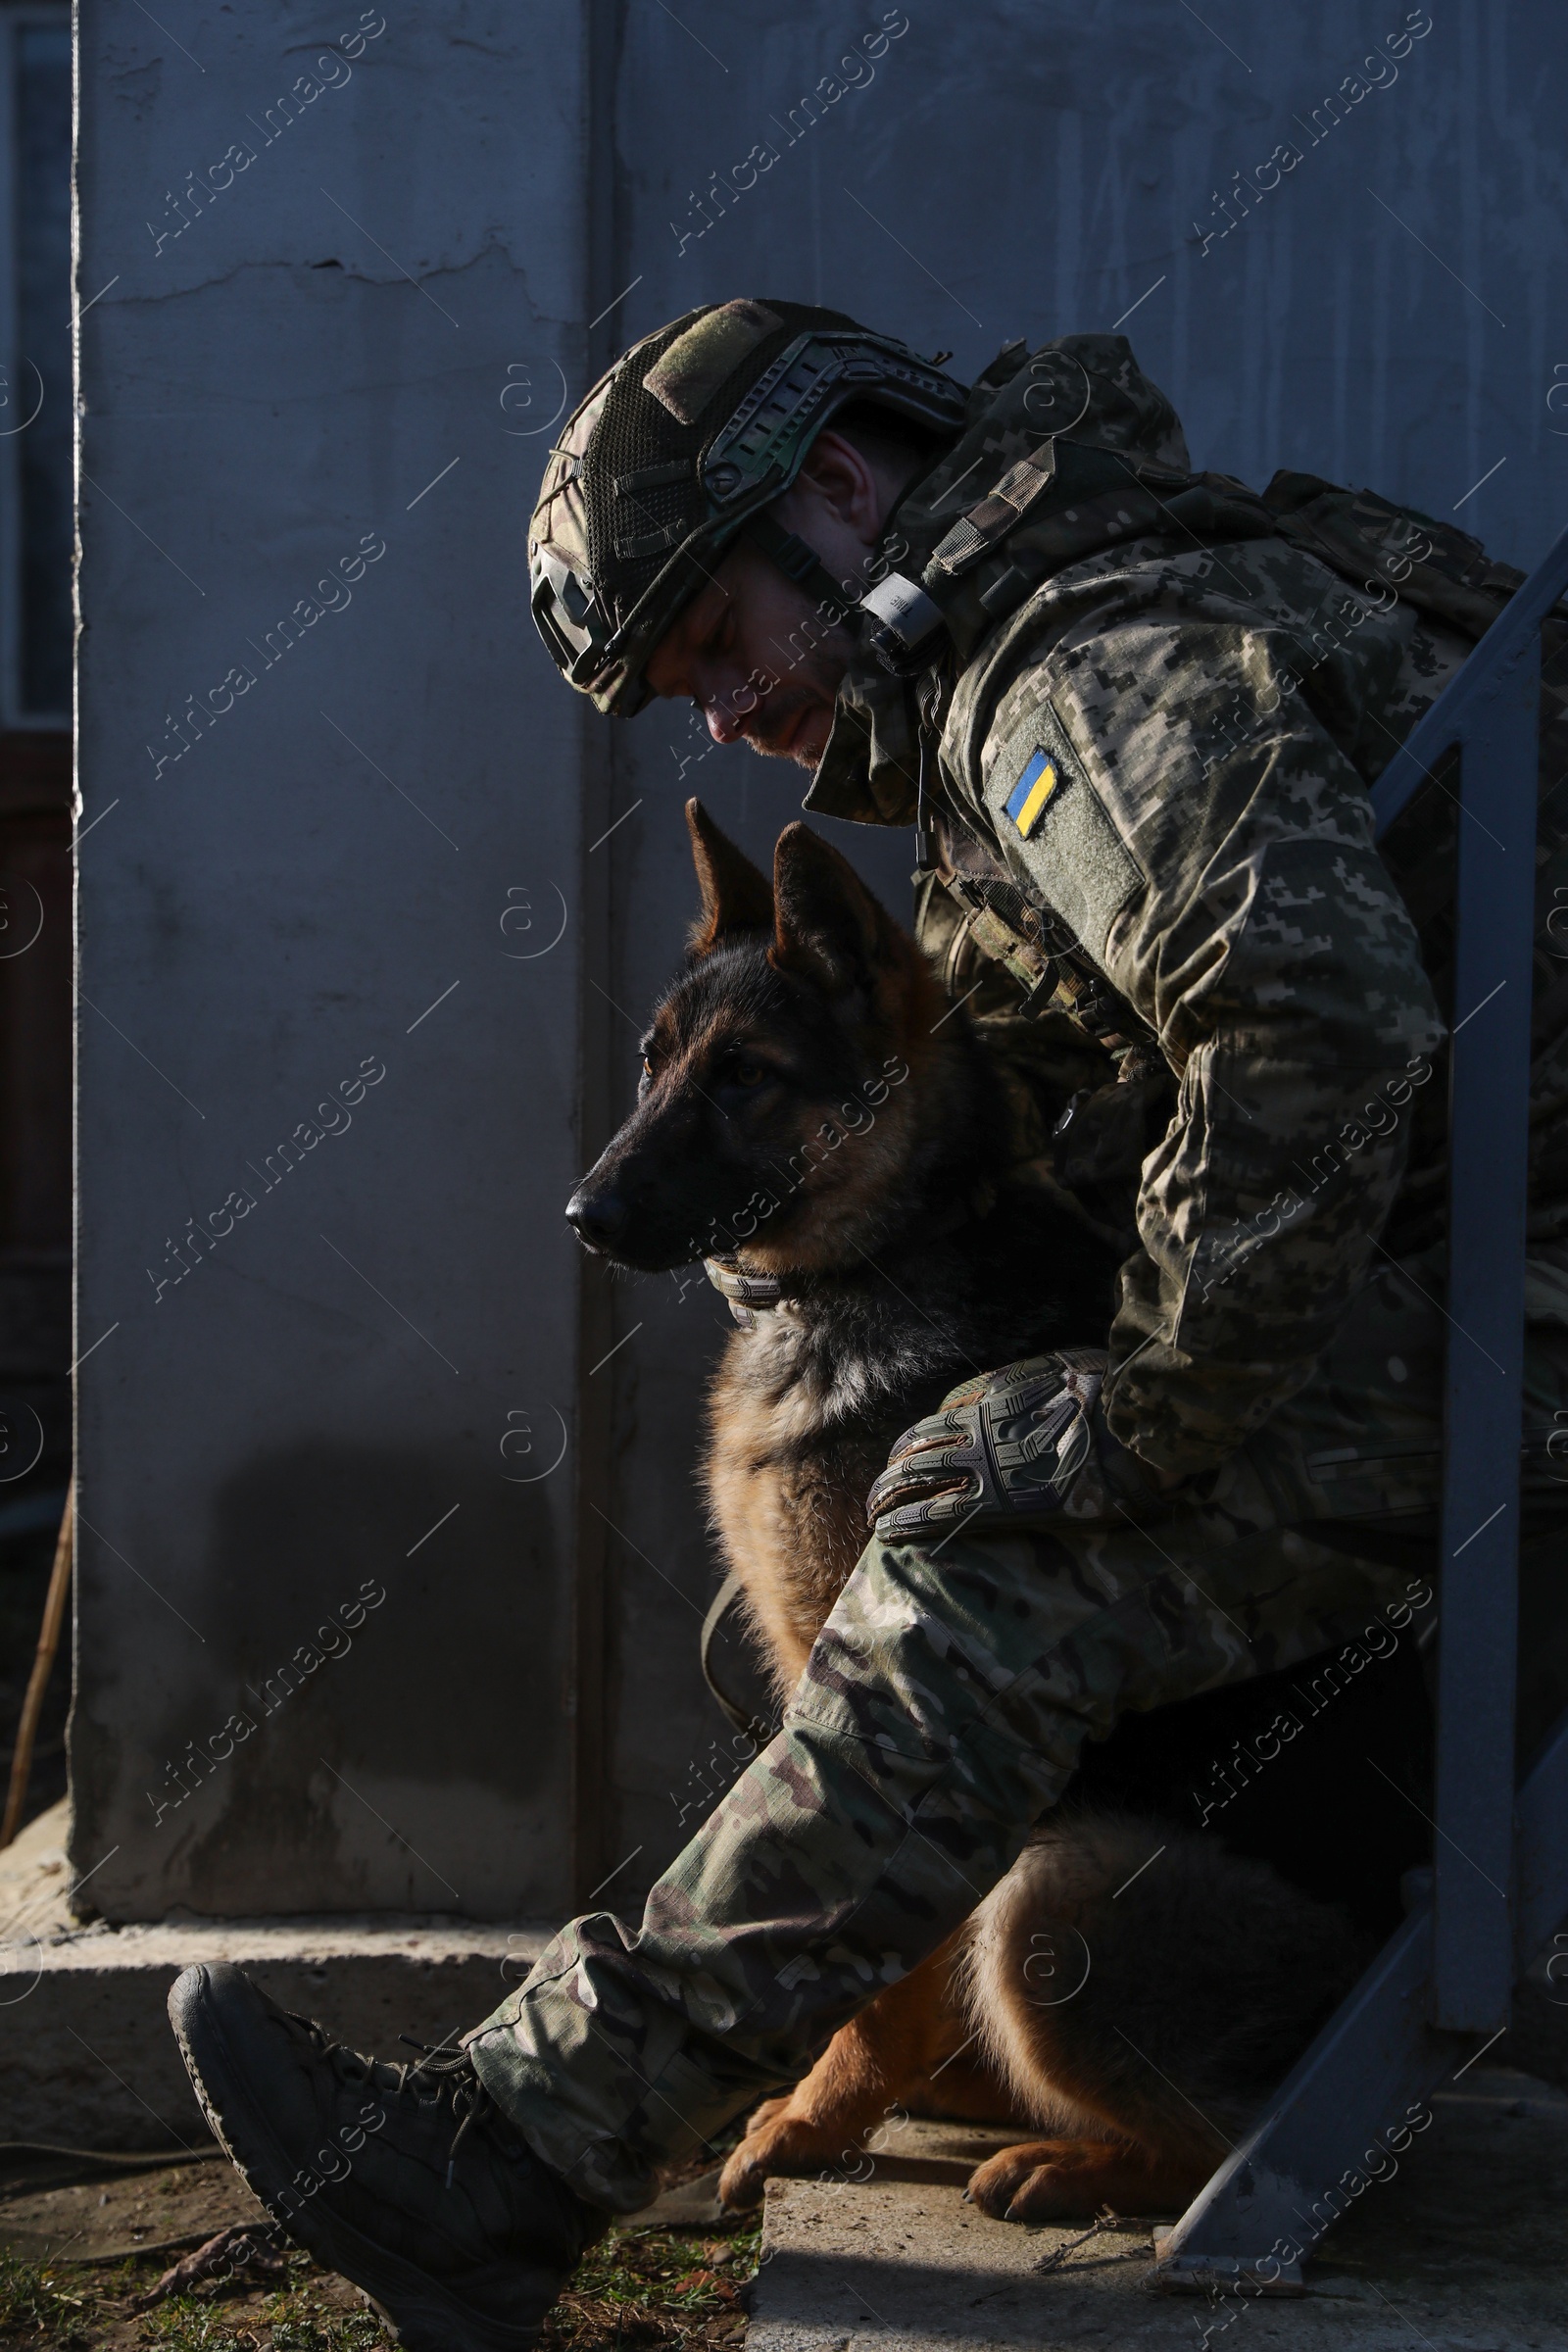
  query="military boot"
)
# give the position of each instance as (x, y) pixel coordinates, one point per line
(407, 2179)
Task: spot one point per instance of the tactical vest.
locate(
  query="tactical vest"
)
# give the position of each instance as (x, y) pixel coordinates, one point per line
(967, 564)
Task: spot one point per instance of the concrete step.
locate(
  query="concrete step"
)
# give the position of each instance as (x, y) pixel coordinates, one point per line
(89, 2059)
(1464, 2250)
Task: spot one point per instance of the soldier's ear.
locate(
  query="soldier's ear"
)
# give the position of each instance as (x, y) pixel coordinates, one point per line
(830, 928)
(736, 895)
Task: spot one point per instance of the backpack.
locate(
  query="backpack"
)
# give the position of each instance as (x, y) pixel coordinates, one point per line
(1052, 501)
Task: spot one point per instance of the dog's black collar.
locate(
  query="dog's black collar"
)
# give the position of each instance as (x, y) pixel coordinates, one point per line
(752, 1293)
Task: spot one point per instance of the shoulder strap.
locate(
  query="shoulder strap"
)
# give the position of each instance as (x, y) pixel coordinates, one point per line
(1032, 945)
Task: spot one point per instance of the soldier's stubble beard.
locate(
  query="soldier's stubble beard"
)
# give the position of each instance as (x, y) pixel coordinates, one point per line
(792, 663)
(795, 717)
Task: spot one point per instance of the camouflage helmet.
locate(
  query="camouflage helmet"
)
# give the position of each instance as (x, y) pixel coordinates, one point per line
(676, 451)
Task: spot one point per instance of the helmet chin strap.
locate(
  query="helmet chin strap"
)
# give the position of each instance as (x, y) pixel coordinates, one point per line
(803, 566)
(902, 620)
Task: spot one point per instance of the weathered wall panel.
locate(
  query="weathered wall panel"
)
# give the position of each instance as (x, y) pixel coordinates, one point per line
(337, 873)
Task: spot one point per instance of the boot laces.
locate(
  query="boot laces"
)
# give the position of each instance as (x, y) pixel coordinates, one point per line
(436, 2077)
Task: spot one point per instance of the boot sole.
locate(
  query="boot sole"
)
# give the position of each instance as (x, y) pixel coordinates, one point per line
(423, 2314)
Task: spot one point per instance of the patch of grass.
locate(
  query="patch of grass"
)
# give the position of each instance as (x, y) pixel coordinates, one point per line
(638, 2291)
(60, 2308)
(41, 2300)
(646, 2288)
(289, 2321)
(294, 2317)
(182, 2325)
(328, 2331)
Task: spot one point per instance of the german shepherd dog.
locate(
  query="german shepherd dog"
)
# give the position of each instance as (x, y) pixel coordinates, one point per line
(806, 1065)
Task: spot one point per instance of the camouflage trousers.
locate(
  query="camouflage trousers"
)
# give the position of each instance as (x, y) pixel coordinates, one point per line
(942, 1713)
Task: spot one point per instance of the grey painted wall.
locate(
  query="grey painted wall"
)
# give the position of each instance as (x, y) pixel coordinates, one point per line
(266, 909)
(309, 370)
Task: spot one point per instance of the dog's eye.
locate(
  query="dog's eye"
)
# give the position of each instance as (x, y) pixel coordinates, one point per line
(748, 1073)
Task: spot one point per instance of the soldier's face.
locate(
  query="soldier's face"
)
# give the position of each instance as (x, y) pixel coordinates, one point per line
(751, 650)
(753, 656)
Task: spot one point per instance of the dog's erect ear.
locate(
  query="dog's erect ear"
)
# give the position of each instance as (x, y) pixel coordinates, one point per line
(736, 895)
(830, 929)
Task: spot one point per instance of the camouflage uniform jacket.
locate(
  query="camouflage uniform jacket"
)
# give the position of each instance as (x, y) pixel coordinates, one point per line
(1160, 724)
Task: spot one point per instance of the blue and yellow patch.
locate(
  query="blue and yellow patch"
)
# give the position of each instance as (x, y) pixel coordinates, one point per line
(1030, 796)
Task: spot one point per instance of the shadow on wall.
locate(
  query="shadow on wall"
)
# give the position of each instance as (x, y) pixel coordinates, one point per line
(382, 1730)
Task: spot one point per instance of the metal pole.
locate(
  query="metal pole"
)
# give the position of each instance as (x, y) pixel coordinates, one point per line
(1488, 1142)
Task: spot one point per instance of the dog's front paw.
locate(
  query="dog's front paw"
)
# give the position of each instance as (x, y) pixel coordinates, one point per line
(780, 2140)
(1046, 2180)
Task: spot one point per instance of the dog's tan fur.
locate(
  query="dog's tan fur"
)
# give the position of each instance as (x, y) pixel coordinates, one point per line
(793, 1532)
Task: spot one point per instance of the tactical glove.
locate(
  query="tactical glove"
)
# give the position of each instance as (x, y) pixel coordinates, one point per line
(1027, 1440)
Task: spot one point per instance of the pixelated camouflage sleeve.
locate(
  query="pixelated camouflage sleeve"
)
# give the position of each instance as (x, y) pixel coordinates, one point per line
(1226, 878)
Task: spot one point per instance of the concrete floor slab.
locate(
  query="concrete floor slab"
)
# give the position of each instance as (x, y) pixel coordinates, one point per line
(1466, 2250)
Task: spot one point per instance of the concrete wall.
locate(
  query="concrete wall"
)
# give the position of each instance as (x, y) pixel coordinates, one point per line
(339, 875)
(265, 910)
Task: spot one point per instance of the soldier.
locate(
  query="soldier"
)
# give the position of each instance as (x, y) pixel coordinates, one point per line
(1133, 714)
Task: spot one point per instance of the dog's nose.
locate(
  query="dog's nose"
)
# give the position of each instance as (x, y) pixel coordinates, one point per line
(600, 1218)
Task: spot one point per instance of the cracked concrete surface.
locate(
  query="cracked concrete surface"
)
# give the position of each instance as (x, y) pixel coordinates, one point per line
(1466, 2250)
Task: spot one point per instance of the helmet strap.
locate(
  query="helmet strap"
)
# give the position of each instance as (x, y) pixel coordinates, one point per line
(802, 565)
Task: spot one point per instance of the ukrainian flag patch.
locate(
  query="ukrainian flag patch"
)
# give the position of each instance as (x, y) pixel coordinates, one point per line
(1030, 796)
